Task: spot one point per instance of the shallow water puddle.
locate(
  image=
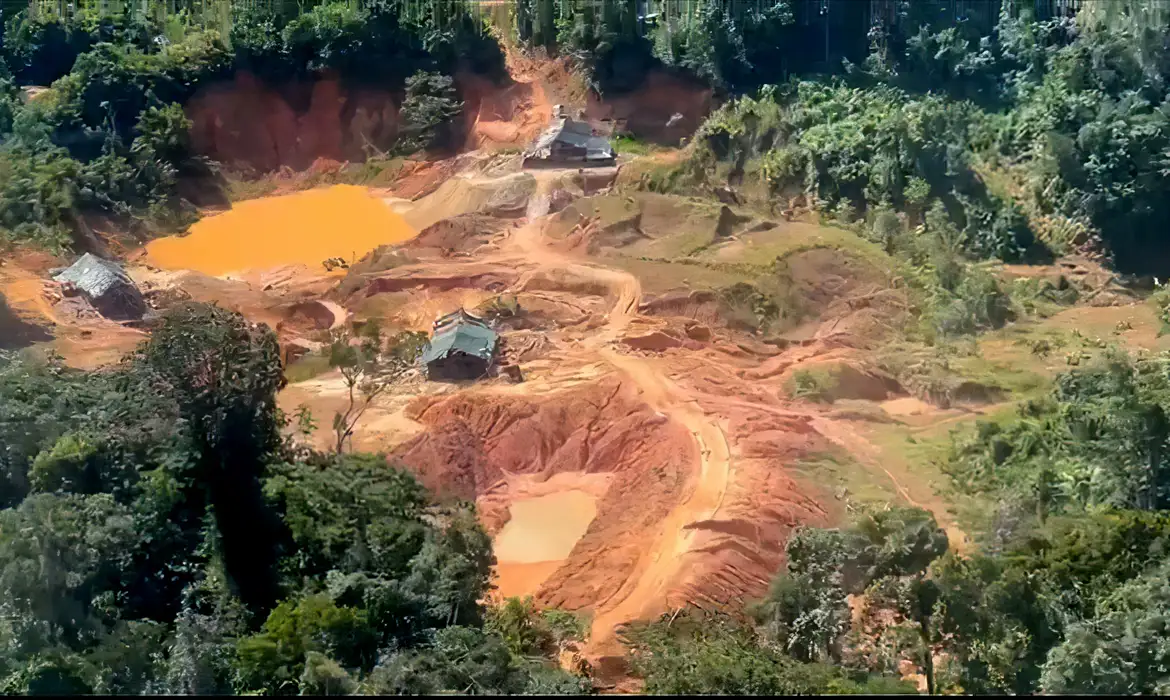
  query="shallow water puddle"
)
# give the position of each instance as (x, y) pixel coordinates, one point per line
(305, 228)
(538, 537)
(545, 528)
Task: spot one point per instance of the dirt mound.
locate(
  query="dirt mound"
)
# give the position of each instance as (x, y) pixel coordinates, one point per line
(488, 279)
(840, 379)
(248, 124)
(620, 220)
(500, 196)
(313, 315)
(473, 442)
(822, 276)
(380, 259)
(458, 234)
(736, 552)
(418, 178)
(654, 341)
(700, 305)
(17, 331)
(550, 309)
(577, 281)
(502, 117)
(524, 346)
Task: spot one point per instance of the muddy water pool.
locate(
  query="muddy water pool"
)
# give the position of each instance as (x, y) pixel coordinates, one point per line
(305, 228)
(541, 533)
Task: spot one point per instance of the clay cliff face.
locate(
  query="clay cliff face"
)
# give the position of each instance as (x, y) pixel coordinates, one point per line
(646, 112)
(250, 125)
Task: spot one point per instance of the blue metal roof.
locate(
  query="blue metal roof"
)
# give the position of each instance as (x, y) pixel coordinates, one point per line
(463, 336)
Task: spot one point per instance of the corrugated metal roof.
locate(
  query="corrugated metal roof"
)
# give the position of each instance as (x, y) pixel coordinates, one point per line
(575, 134)
(470, 338)
(95, 276)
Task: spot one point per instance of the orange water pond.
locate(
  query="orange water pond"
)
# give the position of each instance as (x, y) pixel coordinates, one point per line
(342, 221)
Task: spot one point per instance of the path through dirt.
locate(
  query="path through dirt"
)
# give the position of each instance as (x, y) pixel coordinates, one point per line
(644, 592)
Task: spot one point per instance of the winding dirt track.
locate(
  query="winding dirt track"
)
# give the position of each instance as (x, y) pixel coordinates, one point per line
(644, 591)
(662, 562)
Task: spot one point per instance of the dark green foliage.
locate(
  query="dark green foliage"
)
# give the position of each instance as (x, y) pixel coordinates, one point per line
(1122, 650)
(159, 535)
(223, 373)
(429, 113)
(38, 189)
(111, 134)
(1073, 605)
(884, 553)
(350, 514)
(805, 609)
(274, 659)
(529, 632)
(696, 654)
(712, 48)
(1100, 439)
(459, 660)
(606, 40)
(43, 48)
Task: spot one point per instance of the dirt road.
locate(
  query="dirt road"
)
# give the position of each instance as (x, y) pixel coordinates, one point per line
(644, 591)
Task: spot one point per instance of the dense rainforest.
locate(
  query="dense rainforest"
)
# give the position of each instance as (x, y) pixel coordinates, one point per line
(164, 531)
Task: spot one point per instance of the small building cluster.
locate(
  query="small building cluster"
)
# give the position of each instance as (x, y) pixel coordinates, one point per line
(462, 346)
(105, 285)
(568, 141)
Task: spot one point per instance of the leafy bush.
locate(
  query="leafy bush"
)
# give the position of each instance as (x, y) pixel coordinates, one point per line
(429, 113)
(39, 49)
(38, 189)
(698, 654)
(815, 385)
(1098, 439)
(194, 549)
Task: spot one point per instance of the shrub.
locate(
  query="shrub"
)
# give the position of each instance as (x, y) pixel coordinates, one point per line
(429, 113)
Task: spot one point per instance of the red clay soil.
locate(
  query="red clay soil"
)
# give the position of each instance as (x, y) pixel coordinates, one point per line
(418, 178)
(739, 550)
(503, 117)
(248, 124)
(473, 441)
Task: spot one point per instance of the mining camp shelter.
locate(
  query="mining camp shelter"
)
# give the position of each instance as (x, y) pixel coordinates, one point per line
(568, 141)
(106, 285)
(462, 346)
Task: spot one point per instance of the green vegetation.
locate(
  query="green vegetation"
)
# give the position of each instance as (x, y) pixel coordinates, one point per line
(162, 530)
(1005, 121)
(812, 384)
(1046, 609)
(160, 535)
(110, 136)
(1096, 440)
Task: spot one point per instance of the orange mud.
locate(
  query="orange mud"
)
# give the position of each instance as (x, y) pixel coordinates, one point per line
(29, 295)
(303, 228)
(538, 537)
(546, 527)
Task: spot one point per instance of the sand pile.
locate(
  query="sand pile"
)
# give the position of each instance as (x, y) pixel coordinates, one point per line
(502, 196)
(304, 228)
